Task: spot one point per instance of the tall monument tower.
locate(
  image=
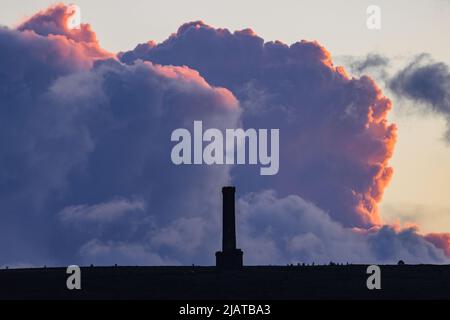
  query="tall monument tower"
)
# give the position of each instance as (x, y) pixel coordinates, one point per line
(229, 257)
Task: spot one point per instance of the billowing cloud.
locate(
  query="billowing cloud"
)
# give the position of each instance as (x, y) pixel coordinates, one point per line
(336, 140)
(85, 169)
(374, 64)
(54, 23)
(103, 212)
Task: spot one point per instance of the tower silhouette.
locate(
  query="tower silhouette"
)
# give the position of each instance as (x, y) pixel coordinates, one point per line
(229, 257)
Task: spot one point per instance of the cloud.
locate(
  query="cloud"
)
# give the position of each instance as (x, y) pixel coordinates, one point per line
(110, 253)
(375, 64)
(290, 229)
(336, 140)
(54, 23)
(427, 83)
(440, 240)
(423, 81)
(103, 212)
(79, 132)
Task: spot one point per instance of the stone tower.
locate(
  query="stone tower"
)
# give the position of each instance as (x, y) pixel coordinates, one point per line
(229, 257)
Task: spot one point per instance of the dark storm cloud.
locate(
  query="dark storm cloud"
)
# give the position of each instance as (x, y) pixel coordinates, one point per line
(336, 140)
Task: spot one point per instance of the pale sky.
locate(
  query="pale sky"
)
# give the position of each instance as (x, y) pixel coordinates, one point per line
(420, 189)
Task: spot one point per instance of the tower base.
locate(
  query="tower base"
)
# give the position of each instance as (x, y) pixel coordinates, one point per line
(229, 259)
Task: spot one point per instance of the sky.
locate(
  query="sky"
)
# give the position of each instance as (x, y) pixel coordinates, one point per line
(419, 188)
(336, 24)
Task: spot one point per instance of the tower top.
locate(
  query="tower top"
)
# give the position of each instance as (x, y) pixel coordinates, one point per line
(228, 189)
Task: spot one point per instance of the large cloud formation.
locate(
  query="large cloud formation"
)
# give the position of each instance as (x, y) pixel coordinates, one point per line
(85, 169)
(336, 140)
(85, 155)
